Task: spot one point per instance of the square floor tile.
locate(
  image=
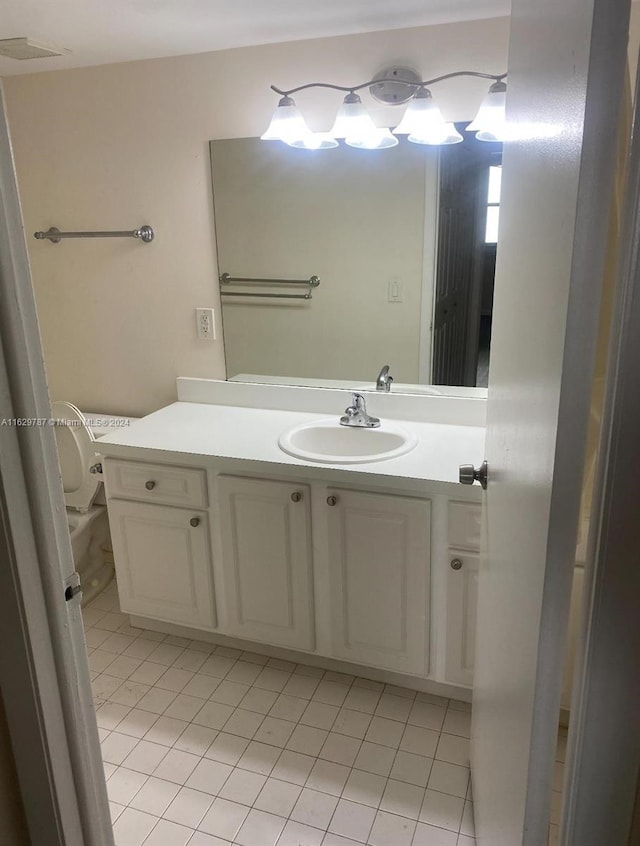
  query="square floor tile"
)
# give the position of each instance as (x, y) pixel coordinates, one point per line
(156, 700)
(403, 799)
(319, 715)
(201, 686)
(442, 810)
(155, 796)
(394, 707)
(275, 731)
(137, 723)
(117, 747)
(340, 749)
(301, 686)
(391, 829)
(195, 739)
(133, 827)
(259, 758)
(352, 820)
(429, 835)
(177, 766)
(123, 785)
(147, 672)
(307, 740)
(331, 693)
(191, 660)
(213, 715)
(165, 653)
(217, 665)
(122, 666)
(243, 672)
(243, 723)
(328, 777)
(188, 807)
(174, 679)
(202, 839)
(293, 767)
(411, 768)
(168, 833)
(352, 723)
(297, 834)
(184, 707)
(229, 692)
(420, 741)
(457, 722)
(272, 679)
(243, 786)
(227, 748)
(428, 716)
(259, 700)
(166, 730)
(374, 758)
(224, 818)
(467, 826)
(362, 699)
(130, 693)
(365, 788)
(453, 750)
(209, 776)
(110, 715)
(260, 829)
(449, 778)
(145, 757)
(314, 808)
(288, 708)
(278, 797)
(385, 732)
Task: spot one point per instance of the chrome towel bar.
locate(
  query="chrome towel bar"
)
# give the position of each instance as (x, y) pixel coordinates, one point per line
(226, 279)
(145, 234)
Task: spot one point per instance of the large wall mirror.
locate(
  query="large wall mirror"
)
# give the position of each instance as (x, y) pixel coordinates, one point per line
(401, 240)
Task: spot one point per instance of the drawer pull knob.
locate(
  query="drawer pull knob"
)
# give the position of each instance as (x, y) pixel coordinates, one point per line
(456, 564)
(195, 521)
(149, 485)
(296, 496)
(332, 500)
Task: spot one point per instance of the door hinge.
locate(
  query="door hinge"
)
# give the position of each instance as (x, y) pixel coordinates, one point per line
(72, 588)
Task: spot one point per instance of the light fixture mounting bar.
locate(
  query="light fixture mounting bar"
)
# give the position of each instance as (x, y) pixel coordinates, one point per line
(497, 77)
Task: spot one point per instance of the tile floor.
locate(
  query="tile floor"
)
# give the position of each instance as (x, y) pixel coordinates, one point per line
(211, 746)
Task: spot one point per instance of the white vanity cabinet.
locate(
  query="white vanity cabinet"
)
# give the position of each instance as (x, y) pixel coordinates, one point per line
(379, 548)
(161, 544)
(462, 590)
(265, 532)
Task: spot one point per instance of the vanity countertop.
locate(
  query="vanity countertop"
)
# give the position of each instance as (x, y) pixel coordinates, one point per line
(233, 432)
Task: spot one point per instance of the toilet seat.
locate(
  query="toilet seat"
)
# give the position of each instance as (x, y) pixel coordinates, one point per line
(77, 453)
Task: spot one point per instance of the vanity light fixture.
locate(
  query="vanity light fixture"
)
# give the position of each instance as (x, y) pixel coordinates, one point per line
(422, 122)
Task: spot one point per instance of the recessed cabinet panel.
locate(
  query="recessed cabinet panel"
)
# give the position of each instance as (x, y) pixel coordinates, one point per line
(163, 562)
(465, 520)
(379, 563)
(462, 597)
(158, 483)
(266, 542)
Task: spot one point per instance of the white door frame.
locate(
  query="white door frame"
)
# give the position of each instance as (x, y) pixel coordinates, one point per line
(44, 675)
(603, 760)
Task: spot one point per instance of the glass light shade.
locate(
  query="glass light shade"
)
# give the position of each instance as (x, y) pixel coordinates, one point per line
(287, 124)
(490, 123)
(437, 136)
(376, 139)
(352, 120)
(421, 117)
(315, 141)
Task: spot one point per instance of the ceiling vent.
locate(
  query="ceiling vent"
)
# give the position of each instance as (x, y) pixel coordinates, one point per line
(27, 48)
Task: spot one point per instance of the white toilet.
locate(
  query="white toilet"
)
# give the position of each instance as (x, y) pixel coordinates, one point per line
(76, 435)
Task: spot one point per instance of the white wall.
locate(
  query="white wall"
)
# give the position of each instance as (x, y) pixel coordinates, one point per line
(117, 146)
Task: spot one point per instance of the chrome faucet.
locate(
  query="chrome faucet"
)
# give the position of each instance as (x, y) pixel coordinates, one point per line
(383, 382)
(356, 414)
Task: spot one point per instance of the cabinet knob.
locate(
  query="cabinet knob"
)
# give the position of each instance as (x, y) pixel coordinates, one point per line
(296, 496)
(456, 564)
(195, 521)
(332, 500)
(150, 485)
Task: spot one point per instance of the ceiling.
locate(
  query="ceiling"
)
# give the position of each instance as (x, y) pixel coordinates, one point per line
(104, 31)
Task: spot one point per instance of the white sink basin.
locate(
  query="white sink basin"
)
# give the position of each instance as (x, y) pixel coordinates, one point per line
(328, 442)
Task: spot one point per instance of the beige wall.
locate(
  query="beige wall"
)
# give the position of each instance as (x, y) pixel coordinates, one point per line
(121, 145)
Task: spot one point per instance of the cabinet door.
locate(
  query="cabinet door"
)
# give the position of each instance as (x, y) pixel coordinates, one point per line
(163, 562)
(462, 596)
(266, 560)
(379, 563)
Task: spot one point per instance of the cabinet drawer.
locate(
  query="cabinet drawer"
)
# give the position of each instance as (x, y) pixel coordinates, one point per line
(464, 525)
(161, 483)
